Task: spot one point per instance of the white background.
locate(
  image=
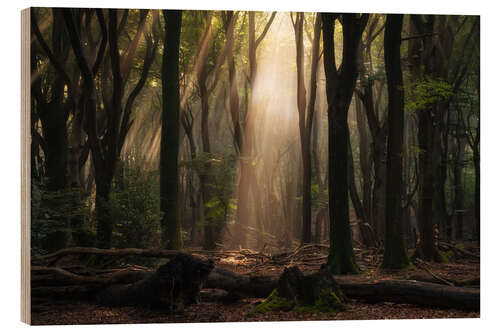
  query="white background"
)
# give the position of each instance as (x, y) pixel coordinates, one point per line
(10, 162)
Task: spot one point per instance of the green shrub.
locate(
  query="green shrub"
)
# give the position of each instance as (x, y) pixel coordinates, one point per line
(135, 206)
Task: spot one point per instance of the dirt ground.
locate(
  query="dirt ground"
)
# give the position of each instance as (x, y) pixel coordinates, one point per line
(248, 262)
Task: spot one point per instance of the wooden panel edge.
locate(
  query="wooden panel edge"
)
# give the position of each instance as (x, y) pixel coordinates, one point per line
(25, 168)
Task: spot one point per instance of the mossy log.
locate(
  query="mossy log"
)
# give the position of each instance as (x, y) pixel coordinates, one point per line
(172, 286)
(397, 291)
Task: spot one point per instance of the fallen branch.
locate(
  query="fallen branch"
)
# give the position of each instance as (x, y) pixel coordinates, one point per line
(56, 256)
(421, 264)
(455, 249)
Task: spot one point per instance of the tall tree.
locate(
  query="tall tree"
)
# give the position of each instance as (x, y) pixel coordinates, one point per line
(207, 79)
(394, 249)
(339, 89)
(169, 173)
(107, 142)
(247, 183)
(53, 110)
(377, 126)
(306, 113)
(420, 51)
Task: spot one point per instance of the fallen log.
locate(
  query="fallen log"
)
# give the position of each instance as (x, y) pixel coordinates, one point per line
(240, 286)
(112, 254)
(414, 292)
(473, 282)
(172, 286)
(458, 250)
(54, 257)
(139, 286)
(397, 291)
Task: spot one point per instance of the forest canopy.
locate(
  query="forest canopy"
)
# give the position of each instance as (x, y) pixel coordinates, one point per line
(263, 130)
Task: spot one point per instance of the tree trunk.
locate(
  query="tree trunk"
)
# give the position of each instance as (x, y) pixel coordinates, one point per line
(395, 256)
(367, 236)
(459, 188)
(305, 141)
(53, 114)
(477, 191)
(427, 139)
(365, 161)
(378, 133)
(426, 249)
(339, 89)
(169, 174)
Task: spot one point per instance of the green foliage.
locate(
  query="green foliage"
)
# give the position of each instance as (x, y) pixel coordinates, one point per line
(422, 94)
(447, 256)
(378, 74)
(51, 212)
(319, 198)
(135, 206)
(220, 169)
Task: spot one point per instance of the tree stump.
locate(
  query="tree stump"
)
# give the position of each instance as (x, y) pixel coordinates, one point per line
(317, 292)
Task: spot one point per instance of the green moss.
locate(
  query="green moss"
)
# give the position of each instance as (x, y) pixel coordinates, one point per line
(411, 267)
(343, 264)
(327, 301)
(446, 256)
(273, 302)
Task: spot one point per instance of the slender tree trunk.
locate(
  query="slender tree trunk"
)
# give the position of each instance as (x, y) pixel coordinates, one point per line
(367, 236)
(304, 129)
(379, 185)
(56, 153)
(419, 52)
(365, 161)
(395, 256)
(205, 179)
(477, 192)
(378, 133)
(339, 89)
(169, 174)
(53, 115)
(459, 187)
(103, 213)
(75, 155)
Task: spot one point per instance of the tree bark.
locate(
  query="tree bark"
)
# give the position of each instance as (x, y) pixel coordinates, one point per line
(419, 52)
(53, 113)
(367, 236)
(395, 256)
(365, 161)
(339, 89)
(459, 188)
(169, 173)
(306, 115)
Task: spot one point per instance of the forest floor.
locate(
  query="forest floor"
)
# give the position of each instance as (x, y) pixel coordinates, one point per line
(459, 267)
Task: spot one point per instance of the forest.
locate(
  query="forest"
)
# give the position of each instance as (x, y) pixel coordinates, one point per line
(201, 166)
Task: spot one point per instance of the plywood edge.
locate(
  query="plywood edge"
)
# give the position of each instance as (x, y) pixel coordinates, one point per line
(25, 168)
